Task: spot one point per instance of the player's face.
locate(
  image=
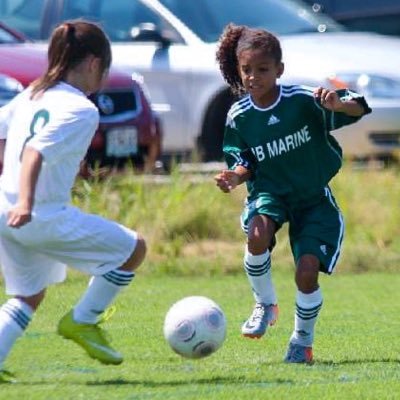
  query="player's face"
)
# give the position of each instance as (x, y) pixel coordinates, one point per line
(259, 73)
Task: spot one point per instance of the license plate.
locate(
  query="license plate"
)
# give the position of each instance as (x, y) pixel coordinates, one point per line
(122, 142)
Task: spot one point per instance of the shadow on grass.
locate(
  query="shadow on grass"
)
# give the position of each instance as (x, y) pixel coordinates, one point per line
(215, 381)
(155, 384)
(202, 381)
(359, 361)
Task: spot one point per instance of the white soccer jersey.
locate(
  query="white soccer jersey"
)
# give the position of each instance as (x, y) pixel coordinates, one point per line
(60, 125)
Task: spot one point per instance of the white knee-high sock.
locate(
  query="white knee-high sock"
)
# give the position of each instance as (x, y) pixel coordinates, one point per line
(308, 307)
(258, 270)
(15, 316)
(100, 294)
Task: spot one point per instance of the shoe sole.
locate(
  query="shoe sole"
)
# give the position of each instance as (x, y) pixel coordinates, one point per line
(259, 335)
(252, 336)
(310, 362)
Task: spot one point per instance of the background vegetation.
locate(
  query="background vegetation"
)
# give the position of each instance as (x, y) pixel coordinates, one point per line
(193, 228)
(196, 248)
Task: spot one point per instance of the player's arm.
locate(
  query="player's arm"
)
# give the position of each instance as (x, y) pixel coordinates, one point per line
(228, 179)
(330, 100)
(31, 164)
(2, 148)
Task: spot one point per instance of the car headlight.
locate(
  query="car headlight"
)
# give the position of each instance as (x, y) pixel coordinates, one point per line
(9, 88)
(368, 85)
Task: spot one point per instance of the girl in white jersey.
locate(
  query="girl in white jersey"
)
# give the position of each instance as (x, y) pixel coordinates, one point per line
(277, 140)
(46, 131)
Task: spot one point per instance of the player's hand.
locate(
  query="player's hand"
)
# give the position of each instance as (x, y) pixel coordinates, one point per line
(19, 216)
(329, 99)
(227, 180)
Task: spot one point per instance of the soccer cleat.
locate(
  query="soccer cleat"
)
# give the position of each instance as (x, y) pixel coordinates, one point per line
(90, 337)
(6, 377)
(299, 354)
(262, 316)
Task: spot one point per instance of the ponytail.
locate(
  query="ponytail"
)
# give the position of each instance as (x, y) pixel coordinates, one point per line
(70, 43)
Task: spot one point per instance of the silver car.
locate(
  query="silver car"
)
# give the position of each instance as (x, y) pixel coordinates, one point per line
(172, 43)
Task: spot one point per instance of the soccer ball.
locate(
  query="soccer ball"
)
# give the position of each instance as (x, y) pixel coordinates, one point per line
(195, 327)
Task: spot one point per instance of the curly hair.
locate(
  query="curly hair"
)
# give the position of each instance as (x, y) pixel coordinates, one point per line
(234, 40)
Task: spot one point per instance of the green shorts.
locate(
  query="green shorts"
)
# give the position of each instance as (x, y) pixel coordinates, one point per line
(316, 229)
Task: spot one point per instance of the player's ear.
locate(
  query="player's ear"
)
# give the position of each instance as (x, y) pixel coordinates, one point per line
(95, 63)
(281, 68)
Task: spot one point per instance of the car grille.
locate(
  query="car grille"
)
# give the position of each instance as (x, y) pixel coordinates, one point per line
(117, 106)
(385, 138)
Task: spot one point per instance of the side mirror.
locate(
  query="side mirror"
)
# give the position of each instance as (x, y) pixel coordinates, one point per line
(148, 32)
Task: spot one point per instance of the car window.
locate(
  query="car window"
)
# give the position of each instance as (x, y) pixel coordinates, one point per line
(23, 15)
(117, 17)
(381, 16)
(207, 18)
(7, 37)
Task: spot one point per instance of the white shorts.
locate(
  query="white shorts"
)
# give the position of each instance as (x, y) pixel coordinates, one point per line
(36, 255)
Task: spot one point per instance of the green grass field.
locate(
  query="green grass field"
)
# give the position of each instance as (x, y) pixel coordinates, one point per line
(196, 247)
(356, 350)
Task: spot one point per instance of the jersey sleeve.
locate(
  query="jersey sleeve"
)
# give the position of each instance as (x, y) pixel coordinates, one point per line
(6, 113)
(336, 120)
(64, 135)
(235, 150)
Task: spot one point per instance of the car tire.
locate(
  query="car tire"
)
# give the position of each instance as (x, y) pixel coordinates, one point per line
(211, 139)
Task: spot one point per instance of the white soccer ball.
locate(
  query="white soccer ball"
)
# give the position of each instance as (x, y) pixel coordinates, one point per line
(195, 327)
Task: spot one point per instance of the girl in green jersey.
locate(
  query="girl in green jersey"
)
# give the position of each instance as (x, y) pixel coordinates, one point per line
(277, 140)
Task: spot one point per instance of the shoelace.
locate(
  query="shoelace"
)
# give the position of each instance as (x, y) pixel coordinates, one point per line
(107, 314)
(258, 312)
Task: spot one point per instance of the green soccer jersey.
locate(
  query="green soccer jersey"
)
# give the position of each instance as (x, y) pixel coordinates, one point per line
(288, 145)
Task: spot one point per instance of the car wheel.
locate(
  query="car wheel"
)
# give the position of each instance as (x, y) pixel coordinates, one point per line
(210, 141)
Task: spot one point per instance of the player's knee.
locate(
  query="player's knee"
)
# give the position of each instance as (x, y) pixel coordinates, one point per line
(137, 256)
(258, 243)
(261, 233)
(140, 250)
(307, 275)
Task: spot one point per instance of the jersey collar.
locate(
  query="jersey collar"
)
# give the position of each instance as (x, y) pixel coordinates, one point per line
(272, 105)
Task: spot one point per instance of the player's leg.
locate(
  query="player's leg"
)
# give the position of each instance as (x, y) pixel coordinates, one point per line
(257, 265)
(308, 306)
(15, 316)
(110, 253)
(316, 237)
(26, 276)
(81, 324)
(103, 289)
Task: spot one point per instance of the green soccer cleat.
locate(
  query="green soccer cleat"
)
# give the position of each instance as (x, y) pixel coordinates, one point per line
(91, 338)
(6, 377)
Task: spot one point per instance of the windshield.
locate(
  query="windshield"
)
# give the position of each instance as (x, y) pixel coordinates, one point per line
(7, 37)
(207, 18)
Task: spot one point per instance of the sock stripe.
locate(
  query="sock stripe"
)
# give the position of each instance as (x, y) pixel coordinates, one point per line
(122, 276)
(257, 270)
(307, 310)
(258, 273)
(119, 279)
(17, 315)
(307, 314)
(256, 267)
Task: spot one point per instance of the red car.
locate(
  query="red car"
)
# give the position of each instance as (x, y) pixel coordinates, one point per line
(129, 131)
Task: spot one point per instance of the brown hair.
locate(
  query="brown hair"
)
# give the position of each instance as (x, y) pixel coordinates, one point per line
(235, 39)
(70, 43)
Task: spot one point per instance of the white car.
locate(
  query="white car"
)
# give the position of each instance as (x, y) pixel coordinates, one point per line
(172, 43)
